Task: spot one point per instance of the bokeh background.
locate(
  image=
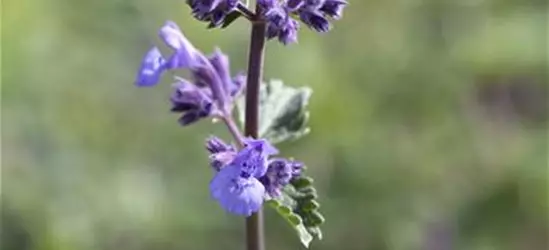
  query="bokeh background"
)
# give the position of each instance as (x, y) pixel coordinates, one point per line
(429, 128)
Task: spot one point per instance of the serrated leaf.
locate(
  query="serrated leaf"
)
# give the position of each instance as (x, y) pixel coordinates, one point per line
(295, 221)
(304, 235)
(316, 218)
(284, 210)
(309, 205)
(304, 217)
(283, 111)
(304, 194)
(315, 232)
(301, 182)
(273, 203)
(306, 190)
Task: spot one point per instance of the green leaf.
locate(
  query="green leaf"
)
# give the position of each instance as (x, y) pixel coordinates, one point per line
(304, 235)
(294, 220)
(297, 204)
(309, 205)
(304, 194)
(302, 182)
(283, 116)
(284, 210)
(283, 111)
(315, 218)
(273, 203)
(315, 232)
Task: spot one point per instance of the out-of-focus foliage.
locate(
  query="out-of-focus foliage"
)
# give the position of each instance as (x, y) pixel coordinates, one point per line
(283, 113)
(429, 128)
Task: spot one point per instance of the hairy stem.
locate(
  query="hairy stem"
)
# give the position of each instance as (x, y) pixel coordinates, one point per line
(254, 223)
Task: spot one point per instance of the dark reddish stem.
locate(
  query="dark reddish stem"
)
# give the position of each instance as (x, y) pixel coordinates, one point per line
(254, 223)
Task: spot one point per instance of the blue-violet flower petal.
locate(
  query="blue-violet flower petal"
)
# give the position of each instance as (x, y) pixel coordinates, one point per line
(236, 194)
(151, 69)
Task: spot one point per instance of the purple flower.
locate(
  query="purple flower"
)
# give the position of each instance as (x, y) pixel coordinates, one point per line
(213, 91)
(215, 145)
(193, 101)
(279, 173)
(313, 4)
(276, 18)
(219, 160)
(315, 20)
(294, 5)
(288, 34)
(151, 68)
(333, 8)
(267, 4)
(221, 153)
(217, 70)
(296, 167)
(314, 13)
(236, 186)
(238, 194)
(281, 25)
(253, 158)
(185, 55)
(245, 178)
(212, 11)
(239, 82)
(220, 63)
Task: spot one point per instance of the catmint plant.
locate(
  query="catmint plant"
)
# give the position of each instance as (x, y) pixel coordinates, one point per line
(249, 172)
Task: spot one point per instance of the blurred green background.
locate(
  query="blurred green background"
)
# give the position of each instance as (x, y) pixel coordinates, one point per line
(429, 128)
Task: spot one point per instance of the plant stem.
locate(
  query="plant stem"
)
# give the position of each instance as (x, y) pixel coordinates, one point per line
(245, 11)
(254, 223)
(233, 129)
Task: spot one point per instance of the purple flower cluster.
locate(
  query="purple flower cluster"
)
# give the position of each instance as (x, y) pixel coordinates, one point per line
(314, 13)
(279, 173)
(245, 178)
(279, 14)
(212, 11)
(212, 89)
